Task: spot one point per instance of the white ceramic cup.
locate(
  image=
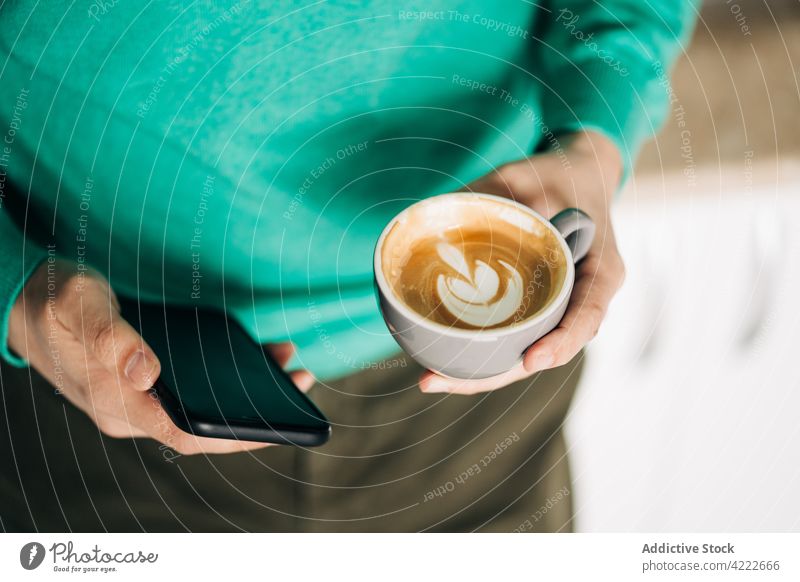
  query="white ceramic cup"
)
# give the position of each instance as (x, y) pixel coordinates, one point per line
(465, 353)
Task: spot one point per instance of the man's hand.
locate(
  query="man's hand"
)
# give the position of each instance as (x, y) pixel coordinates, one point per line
(68, 326)
(584, 174)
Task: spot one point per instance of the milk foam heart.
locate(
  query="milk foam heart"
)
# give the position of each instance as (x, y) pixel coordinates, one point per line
(472, 297)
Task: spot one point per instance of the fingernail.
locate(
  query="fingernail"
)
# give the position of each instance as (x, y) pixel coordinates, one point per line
(540, 362)
(140, 370)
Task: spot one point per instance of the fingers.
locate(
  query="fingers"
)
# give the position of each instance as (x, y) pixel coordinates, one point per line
(432, 383)
(118, 429)
(93, 317)
(302, 379)
(144, 411)
(283, 353)
(129, 413)
(596, 283)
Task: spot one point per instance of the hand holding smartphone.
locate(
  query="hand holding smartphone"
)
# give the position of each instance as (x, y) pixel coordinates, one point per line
(217, 382)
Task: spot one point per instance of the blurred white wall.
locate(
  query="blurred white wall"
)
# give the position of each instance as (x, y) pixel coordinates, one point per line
(688, 418)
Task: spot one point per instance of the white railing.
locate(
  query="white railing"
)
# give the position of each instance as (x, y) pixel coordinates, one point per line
(688, 418)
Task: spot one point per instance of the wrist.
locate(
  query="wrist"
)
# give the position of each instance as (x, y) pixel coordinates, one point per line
(595, 148)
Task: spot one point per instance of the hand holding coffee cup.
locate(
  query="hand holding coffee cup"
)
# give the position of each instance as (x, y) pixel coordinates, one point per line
(467, 282)
(584, 172)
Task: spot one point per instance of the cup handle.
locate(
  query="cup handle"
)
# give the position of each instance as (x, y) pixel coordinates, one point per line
(577, 228)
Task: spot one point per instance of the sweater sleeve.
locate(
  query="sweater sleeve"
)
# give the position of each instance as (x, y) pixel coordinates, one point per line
(605, 66)
(19, 257)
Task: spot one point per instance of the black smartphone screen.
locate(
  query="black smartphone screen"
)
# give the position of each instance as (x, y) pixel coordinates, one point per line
(216, 381)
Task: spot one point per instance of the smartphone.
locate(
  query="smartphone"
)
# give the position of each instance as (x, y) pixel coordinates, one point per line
(217, 382)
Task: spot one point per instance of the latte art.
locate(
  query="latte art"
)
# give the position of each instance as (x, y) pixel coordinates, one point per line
(473, 296)
(472, 263)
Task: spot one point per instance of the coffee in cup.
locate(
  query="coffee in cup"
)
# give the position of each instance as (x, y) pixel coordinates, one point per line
(467, 282)
(478, 264)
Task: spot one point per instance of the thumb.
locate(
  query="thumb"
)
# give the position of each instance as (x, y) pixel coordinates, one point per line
(95, 320)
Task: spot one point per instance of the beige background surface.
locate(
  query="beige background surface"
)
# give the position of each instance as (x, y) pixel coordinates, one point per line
(740, 93)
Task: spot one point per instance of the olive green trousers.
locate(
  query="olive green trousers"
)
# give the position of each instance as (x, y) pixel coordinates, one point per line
(398, 460)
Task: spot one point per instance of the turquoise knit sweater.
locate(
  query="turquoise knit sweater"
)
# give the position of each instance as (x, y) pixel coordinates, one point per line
(247, 155)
